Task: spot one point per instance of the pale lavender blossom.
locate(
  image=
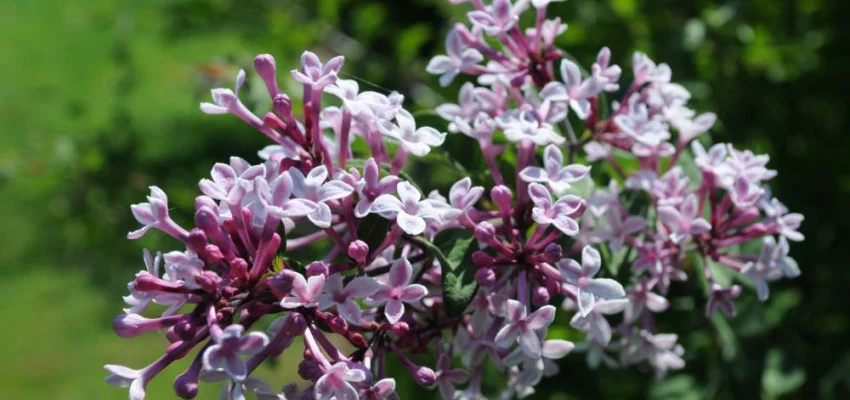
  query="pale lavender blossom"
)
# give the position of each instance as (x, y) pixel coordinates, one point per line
(305, 292)
(410, 212)
(526, 124)
(595, 322)
(524, 328)
(316, 187)
(684, 221)
(581, 276)
(371, 186)
(316, 74)
(398, 290)
(343, 298)
(415, 141)
(559, 213)
(448, 377)
(458, 59)
(574, 90)
(231, 343)
(336, 383)
(497, 18)
(773, 264)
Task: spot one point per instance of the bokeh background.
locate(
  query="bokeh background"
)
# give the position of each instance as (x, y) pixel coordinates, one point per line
(98, 100)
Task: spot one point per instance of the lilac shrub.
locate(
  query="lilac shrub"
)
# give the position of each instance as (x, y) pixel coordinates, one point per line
(452, 287)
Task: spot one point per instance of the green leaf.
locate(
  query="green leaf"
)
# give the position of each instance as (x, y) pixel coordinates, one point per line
(373, 229)
(453, 249)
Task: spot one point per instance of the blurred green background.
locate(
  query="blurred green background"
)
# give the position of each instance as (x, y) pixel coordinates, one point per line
(98, 100)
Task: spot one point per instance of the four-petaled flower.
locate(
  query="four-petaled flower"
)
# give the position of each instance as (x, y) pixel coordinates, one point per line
(151, 214)
(305, 292)
(560, 213)
(498, 18)
(314, 188)
(554, 173)
(525, 327)
(410, 212)
(343, 298)
(371, 186)
(415, 141)
(683, 222)
(448, 377)
(314, 73)
(773, 263)
(574, 90)
(398, 290)
(581, 276)
(227, 348)
(337, 381)
(595, 323)
(458, 59)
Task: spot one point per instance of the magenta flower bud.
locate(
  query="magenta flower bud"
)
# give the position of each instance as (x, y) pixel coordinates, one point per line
(129, 325)
(338, 325)
(208, 280)
(309, 370)
(172, 336)
(282, 105)
(295, 324)
(239, 268)
(540, 297)
(185, 330)
(316, 268)
(485, 232)
(197, 240)
(502, 196)
(482, 259)
(358, 250)
(401, 328)
(214, 253)
(186, 385)
(552, 253)
(265, 66)
(357, 340)
(281, 284)
(149, 283)
(485, 277)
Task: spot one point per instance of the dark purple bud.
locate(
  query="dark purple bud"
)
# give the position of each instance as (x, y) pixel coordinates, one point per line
(265, 66)
(309, 370)
(424, 376)
(485, 232)
(552, 253)
(317, 268)
(502, 196)
(185, 330)
(148, 283)
(186, 384)
(482, 259)
(295, 324)
(172, 336)
(281, 284)
(358, 250)
(282, 105)
(540, 297)
(485, 277)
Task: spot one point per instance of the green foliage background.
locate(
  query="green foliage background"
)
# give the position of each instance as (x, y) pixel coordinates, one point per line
(98, 100)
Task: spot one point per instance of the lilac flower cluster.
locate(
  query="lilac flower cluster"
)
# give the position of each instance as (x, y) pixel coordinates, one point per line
(465, 281)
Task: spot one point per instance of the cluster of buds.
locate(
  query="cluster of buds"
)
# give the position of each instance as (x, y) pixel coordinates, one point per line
(464, 280)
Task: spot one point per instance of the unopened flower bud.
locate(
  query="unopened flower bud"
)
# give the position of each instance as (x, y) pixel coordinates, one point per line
(186, 385)
(208, 280)
(502, 196)
(316, 268)
(485, 277)
(282, 105)
(358, 250)
(338, 325)
(482, 259)
(424, 376)
(309, 370)
(265, 66)
(485, 232)
(214, 253)
(552, 253)
(357, 340)
(295, 324)
(129, 325)
(540, 297)
(401, 328)
(239, 268)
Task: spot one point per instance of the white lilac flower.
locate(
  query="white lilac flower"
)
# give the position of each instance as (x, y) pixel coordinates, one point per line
(410, 212)
(574, 90)
(526, 124)
(554, 173)
(415, 141)
(559, 213)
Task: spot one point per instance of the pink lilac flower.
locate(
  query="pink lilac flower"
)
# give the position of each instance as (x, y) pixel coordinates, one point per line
(398, 290)
(344, 297)
(305, 292)
(314, 73)
(581, 276)
(557, 176)
(371, 186)
(524, 328)
(336, 383)
(229, 344)
(276, 197)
